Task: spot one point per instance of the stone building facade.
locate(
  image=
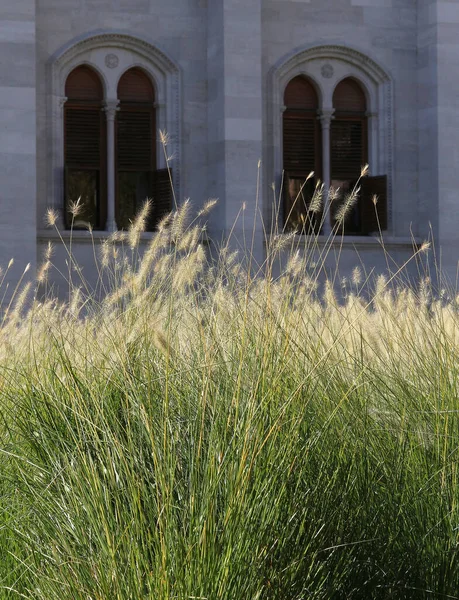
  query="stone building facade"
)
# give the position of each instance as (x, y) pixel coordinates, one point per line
(219, 71)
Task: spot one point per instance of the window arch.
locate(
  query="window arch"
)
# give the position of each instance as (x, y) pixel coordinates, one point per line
(84, 148)
(327, 67)
(348, 146)
(108, 55)
(301, 153)
(135, 146)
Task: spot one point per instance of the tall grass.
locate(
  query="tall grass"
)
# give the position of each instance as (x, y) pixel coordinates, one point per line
(202, 433)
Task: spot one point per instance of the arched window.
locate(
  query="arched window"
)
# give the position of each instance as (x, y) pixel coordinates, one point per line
(349, 152)
(135, 147)
(302, 154)
(84, 148)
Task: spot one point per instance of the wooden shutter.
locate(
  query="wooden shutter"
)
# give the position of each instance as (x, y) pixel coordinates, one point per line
(83, 128)
(135, 140)
(349, 97)
(300, 94)
(84, 85)
(135, 146)
(374, 217)
(300, 147)
(301, 154)
(135, 86)
(84, 147)
(348, 148)
(162, 195)
(300, 128)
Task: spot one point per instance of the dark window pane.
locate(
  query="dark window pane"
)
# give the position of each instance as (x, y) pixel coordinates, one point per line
(133, 189)
(83, 186)
(353, 221)
(297, 200)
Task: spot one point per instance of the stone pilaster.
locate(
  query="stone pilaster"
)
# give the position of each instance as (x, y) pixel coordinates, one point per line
(18, 137)
(234, 112)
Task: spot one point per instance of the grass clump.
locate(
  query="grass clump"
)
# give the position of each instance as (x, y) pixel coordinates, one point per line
(203, 433)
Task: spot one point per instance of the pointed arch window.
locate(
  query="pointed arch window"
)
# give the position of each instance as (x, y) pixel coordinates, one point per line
(302, 154)
(348, 145)
(137, 177)
(84, 149)
(349, 152)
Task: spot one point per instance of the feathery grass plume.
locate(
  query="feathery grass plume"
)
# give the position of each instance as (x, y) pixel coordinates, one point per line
(189, 240)
(105, 248)
(294, 265)
(364, 170)
(75, 208)
(180, 219)
(42, 274)
(138, 226)
(425, 246)
(164, 138)
(164, 222)
(49, 251)
(317, 198)
(20, 302)
(187, 269)
(356, 276)
(51, 217)
(345, 208)
(75, 305)
(425, 291)
(208, 206)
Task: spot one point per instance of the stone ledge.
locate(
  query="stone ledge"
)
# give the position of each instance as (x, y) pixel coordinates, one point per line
(356, 241)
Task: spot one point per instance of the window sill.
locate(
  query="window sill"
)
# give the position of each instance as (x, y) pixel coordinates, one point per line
(82, 236)
(356, 241)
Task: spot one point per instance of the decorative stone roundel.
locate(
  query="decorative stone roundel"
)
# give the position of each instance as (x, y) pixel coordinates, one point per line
(327, 71)
(111, 61)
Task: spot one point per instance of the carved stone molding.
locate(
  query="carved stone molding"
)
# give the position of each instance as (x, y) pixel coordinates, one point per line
(112, 61)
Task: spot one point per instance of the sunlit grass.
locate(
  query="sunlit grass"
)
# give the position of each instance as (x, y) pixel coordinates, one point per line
(210, 430)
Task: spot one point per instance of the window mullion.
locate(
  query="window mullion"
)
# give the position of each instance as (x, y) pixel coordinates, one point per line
(111, 108)
(325, 117)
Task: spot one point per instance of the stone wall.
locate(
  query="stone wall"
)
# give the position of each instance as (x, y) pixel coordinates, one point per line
(18, 136)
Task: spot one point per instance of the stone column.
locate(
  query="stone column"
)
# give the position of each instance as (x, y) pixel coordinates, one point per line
(111, 107)
(234, 59)
(373, 162)
(326, 116)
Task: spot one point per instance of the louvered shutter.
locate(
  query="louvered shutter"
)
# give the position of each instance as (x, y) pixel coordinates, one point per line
(134, 140)
(299, 142)
(162, 197)
(348, 148)
(84, 147)
(83, 128)
(301, 155)
(374, 217)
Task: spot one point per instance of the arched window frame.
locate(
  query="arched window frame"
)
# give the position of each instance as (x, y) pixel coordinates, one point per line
(80, 106)
(134, 108)
(298, 188)
(110, 54)
(326, 66)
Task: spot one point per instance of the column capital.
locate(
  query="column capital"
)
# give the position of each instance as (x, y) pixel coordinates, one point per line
(326, 117)
(283, 108)
(61, 101)
(111, 107)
